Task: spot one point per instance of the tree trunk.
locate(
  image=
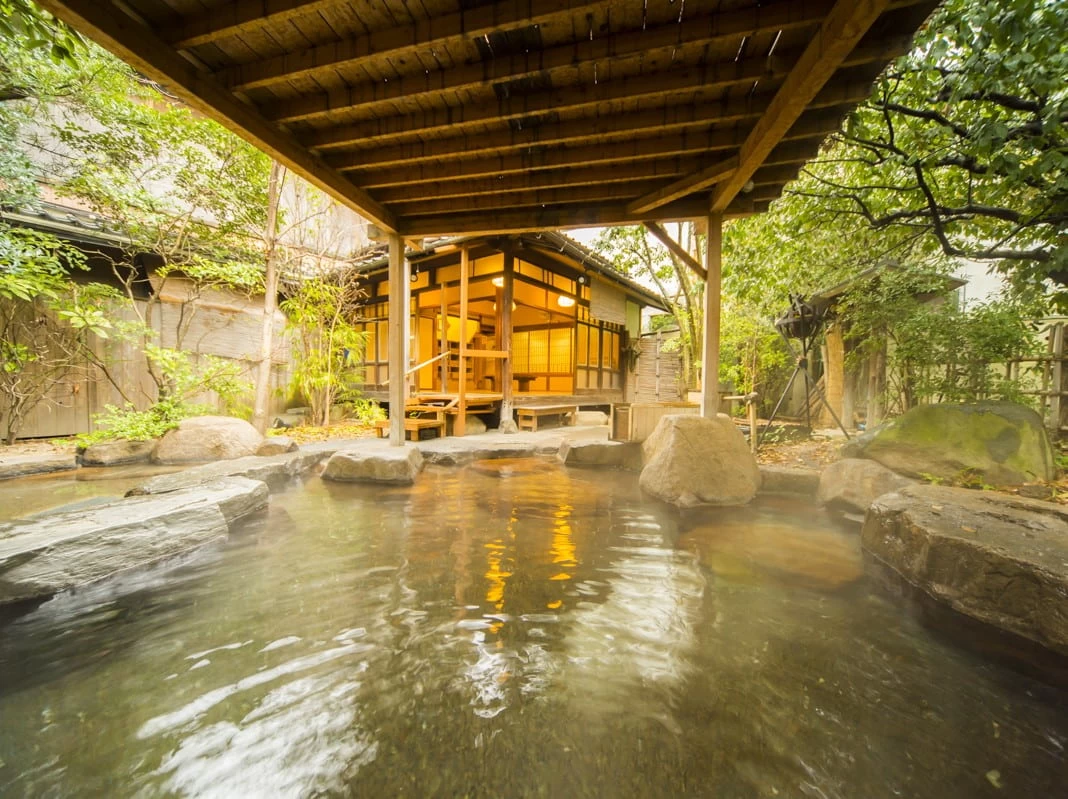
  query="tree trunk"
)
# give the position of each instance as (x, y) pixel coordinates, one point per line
(270, 299)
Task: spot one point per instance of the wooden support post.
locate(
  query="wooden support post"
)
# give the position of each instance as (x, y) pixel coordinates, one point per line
(833, 374)
(399, 308)
(1058, 406)
(710, 351)
(505, 341)
(459, 427)
(444, 338)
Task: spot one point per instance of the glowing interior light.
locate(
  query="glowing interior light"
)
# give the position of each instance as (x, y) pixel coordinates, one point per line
(564, 301)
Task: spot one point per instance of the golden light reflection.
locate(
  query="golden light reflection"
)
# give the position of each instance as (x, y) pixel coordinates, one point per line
(496, 574)
(563, 548)
(556, 604)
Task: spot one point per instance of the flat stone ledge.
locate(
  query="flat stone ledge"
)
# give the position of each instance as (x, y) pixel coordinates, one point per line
(398, 465)
(602, 454)
(998, 559)
(58, 551)
(789, 480)
(24, 465)
(274, 470)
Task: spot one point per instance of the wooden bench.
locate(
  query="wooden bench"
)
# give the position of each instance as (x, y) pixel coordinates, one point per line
(412, 427)
(528, 415)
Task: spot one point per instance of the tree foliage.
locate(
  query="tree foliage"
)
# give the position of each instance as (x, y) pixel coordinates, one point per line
(965, 140)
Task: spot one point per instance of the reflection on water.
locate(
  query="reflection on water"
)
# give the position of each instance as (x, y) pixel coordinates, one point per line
(514, 631)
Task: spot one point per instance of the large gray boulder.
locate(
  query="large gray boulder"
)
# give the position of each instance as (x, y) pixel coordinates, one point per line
(207, 438)
(998, 443)
(854, 483)
(118, 452)
(381, 465)
(56, 551)
(999, 559)
(690, 460)
(274, 470)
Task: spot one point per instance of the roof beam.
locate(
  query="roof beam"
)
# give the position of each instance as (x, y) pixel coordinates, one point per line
(400, 196)
(639, 144)
(578, 157)
(681, 120)
(228, 19)
(672, 38)
(403, 40)
(546, 128)
(702, 179)
(560, 218)
(612, 194)
(839, 34)
(367, 96)
(550, 179)
(676, 249)
(138, 46)
(851, 86)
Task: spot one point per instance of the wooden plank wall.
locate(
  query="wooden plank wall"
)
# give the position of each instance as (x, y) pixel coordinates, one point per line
(658, 374)
(227, 329)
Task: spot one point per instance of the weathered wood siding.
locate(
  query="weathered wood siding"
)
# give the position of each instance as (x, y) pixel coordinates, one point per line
(658, 376)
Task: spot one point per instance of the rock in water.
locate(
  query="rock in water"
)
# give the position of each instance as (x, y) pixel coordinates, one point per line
(380, 465)
(690, 460)
(854, 483)
(999, 443)
(999, 559)
(59, 550)
(118, 452)
(208, 438)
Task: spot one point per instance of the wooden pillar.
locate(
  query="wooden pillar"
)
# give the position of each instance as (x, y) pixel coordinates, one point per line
(710, 347)
(834, 375)
(443, 364)
(505, 341)
(399, 309)
(459, 427)
(876, 387)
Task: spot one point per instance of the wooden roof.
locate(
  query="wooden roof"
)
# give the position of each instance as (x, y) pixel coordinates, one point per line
(443, 117)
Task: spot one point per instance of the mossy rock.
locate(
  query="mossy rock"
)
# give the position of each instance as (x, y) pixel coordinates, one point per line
(992, 443)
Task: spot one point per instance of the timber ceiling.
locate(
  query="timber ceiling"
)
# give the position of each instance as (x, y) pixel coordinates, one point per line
(440, 117)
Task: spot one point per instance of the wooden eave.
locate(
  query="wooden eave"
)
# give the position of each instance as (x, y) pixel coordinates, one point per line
(476, 117)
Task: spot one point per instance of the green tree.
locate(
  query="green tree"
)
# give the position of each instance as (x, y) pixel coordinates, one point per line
(43, 322)
(965, 140)
(320, 313)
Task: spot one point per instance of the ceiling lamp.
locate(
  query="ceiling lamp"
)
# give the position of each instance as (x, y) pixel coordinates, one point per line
(498, 282)
(564, 301)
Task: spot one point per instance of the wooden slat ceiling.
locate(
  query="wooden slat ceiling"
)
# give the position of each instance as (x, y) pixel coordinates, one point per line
(438, 117)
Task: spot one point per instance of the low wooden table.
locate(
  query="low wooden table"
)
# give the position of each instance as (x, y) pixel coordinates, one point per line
(412, 427)
(528, 415)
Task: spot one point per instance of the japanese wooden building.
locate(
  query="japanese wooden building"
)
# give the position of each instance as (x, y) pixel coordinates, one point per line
(463, 117)
(538, 315)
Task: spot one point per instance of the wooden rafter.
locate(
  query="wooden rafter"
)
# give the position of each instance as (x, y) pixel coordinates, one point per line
(406, 39)
(676, 249)
(231, 18)
(688, 78)
(139, 47)
(702, 31)
(844, 27)
(602, 156)
(560, 217)
(702, 179)
(413, 194)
